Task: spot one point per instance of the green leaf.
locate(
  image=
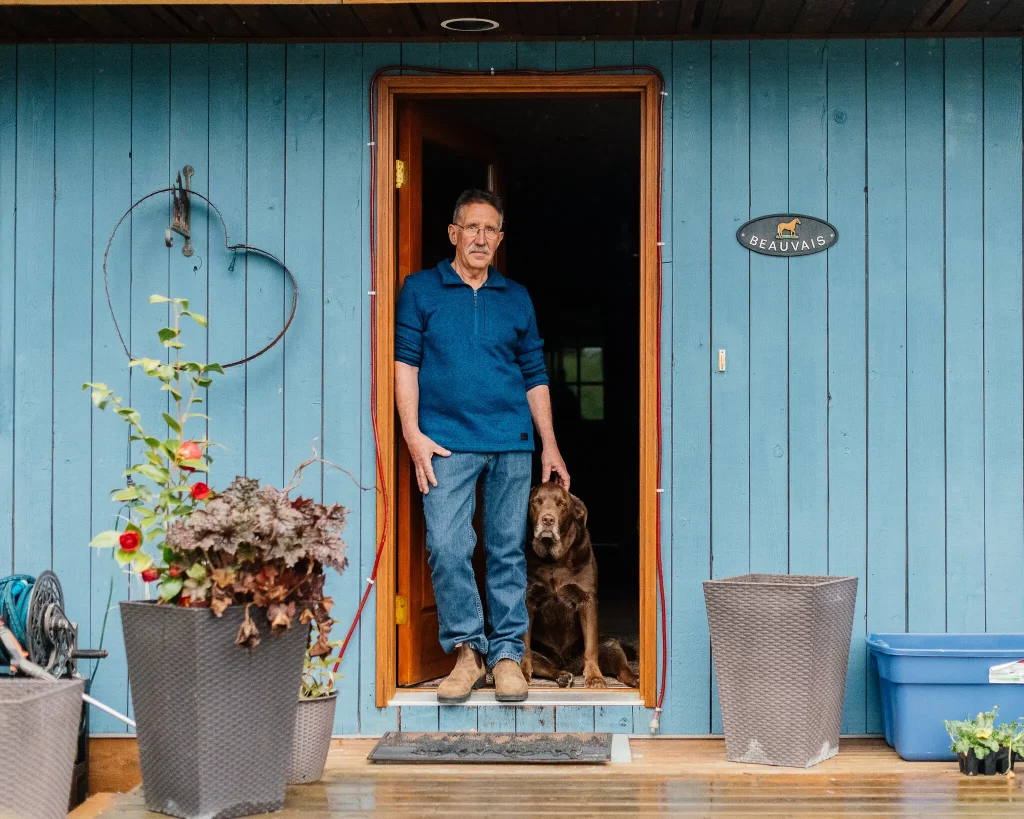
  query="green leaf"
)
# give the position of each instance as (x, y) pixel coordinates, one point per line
(153, 442)
(170, 446)
(142, 561)
(172, 391)
(214, 368)
(155, 458)
(99, 398)
(172, 422)
(94, 385)
(157, 474)
(170, 586)
(129, 494)
(203, 382)
(177, 345)
(197, 572)
(190, 367)
(129, 415)
(146, 518)
(104, 540)
(198, 318)
(194, 463)
(167, 333)
(196, 415)
(197, 400)
(124, 558)
(168, 554)
(158, 299)
(182, 302)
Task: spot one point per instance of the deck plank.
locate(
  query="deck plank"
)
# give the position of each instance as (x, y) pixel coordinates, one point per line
(666, 776)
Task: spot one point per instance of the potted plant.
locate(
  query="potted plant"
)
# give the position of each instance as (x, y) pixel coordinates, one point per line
(314, 719)
(983, 748)
(215, 660)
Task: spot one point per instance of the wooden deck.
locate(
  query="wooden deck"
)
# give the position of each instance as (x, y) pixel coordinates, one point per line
(666, 777)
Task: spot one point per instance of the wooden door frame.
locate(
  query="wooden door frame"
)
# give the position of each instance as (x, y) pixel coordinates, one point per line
(643, 87)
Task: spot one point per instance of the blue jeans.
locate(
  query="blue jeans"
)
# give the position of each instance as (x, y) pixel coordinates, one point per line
(448, 509)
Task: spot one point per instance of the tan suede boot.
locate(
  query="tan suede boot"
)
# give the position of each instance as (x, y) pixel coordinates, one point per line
(509, 682)
(469, 673)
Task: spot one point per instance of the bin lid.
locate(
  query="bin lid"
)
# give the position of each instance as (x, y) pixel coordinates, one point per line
(948, 645)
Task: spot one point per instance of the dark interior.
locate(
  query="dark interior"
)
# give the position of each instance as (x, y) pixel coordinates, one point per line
(570, 178)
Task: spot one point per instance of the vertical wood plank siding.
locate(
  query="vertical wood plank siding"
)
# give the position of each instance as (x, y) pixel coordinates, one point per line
(870, 420)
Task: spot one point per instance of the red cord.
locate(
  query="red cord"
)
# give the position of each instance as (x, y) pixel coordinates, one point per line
(371, 580)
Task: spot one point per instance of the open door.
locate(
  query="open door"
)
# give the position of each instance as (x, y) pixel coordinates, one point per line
(441, 159)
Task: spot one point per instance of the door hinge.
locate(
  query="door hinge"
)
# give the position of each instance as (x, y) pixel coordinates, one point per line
(400, 177)
(401, 610)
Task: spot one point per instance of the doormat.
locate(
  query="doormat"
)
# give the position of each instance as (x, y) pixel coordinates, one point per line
(407, 746)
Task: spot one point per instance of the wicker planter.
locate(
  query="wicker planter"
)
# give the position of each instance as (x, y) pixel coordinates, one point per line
(781, 644)
(39, 727)
(210, 712)
(311, 739)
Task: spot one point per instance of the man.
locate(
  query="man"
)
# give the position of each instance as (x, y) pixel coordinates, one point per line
(469, 375)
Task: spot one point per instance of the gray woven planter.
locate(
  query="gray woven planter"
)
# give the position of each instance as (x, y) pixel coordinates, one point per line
(38, 739)
(311, 739)
(210, 712)
(780, 645)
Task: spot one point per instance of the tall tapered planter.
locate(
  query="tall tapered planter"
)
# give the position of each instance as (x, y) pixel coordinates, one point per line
(39, 722)
(781, 644)
(212, 716)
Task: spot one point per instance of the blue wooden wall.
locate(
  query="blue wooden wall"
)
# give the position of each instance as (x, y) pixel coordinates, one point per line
(869, 422)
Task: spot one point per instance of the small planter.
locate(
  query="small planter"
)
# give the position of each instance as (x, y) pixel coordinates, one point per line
(39, 730)
(209, 711)
(997, 763)
(311, 739)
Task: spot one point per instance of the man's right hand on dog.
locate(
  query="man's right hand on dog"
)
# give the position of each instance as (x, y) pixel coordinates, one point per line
(423, 449)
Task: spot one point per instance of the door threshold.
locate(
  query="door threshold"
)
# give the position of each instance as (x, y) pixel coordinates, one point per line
(538, 697)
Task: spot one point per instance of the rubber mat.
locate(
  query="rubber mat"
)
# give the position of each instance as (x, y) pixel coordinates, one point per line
(492, 748)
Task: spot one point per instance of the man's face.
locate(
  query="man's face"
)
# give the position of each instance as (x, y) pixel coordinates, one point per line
(477, 236)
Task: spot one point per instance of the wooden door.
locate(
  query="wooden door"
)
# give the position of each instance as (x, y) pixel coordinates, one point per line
(441, 160)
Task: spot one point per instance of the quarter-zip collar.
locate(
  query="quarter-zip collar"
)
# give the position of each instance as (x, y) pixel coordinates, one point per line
(449, 276)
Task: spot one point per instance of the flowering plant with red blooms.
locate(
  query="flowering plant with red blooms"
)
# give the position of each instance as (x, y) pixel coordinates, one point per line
(249, 545)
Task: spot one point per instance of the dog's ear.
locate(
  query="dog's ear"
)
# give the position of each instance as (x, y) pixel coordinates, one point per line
(579, 511)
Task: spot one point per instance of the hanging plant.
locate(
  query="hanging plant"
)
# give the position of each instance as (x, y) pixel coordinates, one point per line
(249, 545)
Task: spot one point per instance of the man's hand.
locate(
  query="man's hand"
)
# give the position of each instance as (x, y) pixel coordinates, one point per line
(551, 462)
(422, 450)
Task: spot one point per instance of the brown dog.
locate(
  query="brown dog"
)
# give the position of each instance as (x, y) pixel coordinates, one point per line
(561, 596)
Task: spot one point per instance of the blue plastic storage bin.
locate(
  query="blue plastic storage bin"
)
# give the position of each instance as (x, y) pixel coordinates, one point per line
(927, 678)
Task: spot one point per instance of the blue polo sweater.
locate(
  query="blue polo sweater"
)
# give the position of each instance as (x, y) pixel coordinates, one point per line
(478, 353)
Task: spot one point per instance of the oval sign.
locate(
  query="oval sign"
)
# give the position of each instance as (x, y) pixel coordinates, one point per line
(787, 234)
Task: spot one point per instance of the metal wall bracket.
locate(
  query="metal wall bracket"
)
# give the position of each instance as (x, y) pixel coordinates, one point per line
(182, 219)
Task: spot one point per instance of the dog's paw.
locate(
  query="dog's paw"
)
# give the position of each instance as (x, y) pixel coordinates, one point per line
(565, 680)
(629, 678)
(594, 681)
(527, 668)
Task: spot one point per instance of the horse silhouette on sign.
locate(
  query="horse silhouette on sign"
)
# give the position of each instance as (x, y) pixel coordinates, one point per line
(787, 227)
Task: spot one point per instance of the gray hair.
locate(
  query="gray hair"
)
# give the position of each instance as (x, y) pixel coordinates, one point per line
(478, 197)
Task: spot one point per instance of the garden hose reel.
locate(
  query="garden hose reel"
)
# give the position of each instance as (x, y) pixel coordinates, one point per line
(50, 638)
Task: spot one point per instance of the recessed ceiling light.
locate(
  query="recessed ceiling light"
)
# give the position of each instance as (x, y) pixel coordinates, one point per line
(469, 24)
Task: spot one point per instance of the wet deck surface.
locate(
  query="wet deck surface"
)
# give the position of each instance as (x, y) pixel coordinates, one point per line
(666, 777)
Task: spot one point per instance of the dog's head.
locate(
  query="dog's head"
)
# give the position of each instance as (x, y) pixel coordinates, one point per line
(557, 519)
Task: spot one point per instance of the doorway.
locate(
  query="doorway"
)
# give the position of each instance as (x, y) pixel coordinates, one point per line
(584, 163)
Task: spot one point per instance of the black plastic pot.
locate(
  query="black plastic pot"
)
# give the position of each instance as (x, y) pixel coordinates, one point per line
(997, 763)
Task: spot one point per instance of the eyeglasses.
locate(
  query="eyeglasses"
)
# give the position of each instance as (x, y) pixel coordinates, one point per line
(472, 231)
